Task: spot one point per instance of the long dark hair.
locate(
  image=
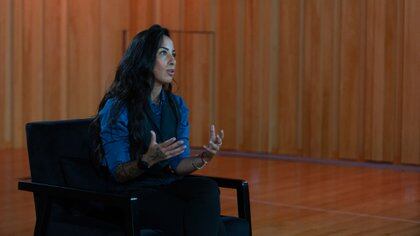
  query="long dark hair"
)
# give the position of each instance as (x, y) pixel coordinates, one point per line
(132, 87)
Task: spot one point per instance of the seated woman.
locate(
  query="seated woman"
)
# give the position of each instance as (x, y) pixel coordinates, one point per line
(142, 131)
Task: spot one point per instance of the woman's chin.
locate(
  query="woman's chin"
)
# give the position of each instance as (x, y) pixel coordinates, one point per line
(164, 81)
(167, 80)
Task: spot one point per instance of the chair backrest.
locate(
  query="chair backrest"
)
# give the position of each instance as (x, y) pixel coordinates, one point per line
(54, 147)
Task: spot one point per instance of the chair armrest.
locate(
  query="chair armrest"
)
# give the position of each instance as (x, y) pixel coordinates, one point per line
(128, 202)
(242, 194)
(229, 183)
(73, 193)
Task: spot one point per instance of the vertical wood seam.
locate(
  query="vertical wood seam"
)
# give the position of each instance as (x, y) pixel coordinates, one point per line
(272, 103)
(322, 80)
(337, 74)
(362, 81)
(239, 72)
(403, 71)
(8, 101)
(301, 67)
(399, 50)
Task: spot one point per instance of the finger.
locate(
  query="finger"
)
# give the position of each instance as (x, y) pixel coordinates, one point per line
(218, 140)
(221, 134)
(212, 133)
(174, 145)
(175, 152)
(153, 137)
(167, 142)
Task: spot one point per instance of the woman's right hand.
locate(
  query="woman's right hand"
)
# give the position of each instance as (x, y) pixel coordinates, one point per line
(162, 151)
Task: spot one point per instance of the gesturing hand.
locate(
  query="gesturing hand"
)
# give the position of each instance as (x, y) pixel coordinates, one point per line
(162, 151)
(214, 145)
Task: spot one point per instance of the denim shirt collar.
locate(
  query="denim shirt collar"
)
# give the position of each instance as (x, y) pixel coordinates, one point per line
(162, 100)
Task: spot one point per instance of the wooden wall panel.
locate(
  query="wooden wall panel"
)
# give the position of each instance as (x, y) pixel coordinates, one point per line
(352, 60)
(315, 78)
(264, 71)
(381, 81)
(84, 58)
(55, 59)
(251, 98)
(114, 38)
(329, 63)
(197, 15)
(141, 15)
(312, 81)
(33, 73)
(290, 33)
(147, 12)
(17, 72)
(410, 139)
(5, 73)
(169, 13)
(271, 20)
(226, 71)
(257, 74)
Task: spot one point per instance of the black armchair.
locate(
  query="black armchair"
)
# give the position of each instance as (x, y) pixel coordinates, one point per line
(72, 198)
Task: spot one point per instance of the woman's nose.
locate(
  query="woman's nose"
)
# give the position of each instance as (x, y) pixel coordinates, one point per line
(172, 60)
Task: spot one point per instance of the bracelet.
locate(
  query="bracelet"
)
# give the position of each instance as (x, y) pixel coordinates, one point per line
(202, 166)
(142, 165)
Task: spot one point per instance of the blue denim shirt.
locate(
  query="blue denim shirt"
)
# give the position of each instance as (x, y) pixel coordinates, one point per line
(115, 138)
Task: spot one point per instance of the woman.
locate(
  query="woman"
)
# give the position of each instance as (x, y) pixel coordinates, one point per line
(142, 131)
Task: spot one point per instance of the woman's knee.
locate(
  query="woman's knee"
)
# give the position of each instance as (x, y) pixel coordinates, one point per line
(202, 186)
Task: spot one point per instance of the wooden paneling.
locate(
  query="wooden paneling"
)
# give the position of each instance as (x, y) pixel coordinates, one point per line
(352, 48)
(315, 78)
(17, 73)
(55, 59)
(5, 73)
(289, 32)
(410, 140)
(226, 71)
(381, 140)
(329, 64)
(312, 80)
(84, 58)
(114, 27)
(33, 73)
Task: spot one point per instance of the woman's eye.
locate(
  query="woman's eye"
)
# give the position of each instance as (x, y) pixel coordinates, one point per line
(163, 53)
(174, 54)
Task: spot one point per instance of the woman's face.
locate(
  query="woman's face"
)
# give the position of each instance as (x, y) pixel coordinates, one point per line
(164, 69)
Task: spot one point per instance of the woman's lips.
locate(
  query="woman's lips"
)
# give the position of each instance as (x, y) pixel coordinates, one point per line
(171, 72)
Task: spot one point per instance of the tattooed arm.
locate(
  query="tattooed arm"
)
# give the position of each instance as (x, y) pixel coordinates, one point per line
(127, 171)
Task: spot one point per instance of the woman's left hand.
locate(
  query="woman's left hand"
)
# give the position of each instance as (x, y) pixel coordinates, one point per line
(214, 145)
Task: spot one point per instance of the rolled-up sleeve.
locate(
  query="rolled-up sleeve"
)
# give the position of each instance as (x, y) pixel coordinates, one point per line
(115, 137)
(183, 132)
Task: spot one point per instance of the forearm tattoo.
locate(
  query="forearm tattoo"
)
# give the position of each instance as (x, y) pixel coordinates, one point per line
(127, 171)
(206, 155)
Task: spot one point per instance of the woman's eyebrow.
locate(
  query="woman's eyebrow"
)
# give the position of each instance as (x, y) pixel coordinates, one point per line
(167, 49)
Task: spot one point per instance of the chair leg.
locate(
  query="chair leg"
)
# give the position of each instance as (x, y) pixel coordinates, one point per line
(244, 208)
(43, 214)
(133, 223)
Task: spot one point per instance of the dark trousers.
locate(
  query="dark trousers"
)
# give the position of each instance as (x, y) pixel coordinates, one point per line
(189, 206)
